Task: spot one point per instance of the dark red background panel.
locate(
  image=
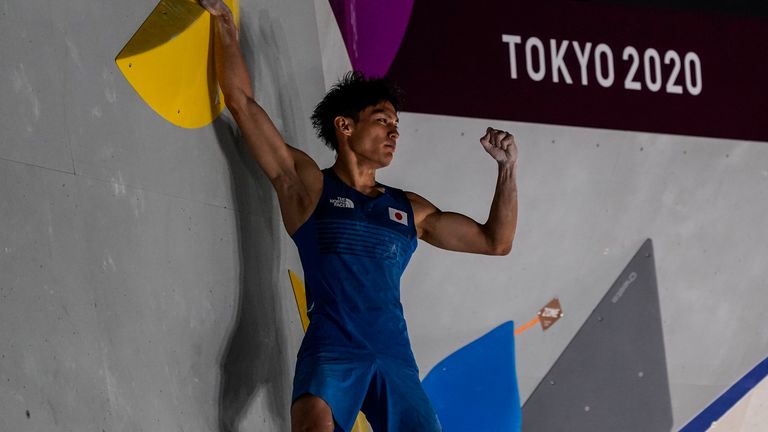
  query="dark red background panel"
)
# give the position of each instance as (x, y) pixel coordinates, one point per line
(453, 62)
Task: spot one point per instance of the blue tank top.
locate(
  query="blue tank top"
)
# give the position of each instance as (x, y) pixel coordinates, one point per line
(354, 249)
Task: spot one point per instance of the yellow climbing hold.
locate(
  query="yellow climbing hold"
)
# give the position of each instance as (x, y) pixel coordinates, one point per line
(301, 298)
(169, 63)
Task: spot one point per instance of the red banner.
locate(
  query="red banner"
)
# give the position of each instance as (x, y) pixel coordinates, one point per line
(584, 64)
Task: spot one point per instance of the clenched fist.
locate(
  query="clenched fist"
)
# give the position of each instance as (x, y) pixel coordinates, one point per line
(500, 145)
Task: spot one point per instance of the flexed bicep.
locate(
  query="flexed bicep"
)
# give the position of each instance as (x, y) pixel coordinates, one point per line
(450, 230)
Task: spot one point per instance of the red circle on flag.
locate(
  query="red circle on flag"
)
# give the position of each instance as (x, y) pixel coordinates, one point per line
(399, 216)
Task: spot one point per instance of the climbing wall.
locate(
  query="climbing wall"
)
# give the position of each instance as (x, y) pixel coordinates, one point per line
(141, 263)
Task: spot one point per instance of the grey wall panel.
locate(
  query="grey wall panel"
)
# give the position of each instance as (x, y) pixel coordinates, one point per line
(32, 114)
(112, 298)
(49, 336)
(612, 376)
(143, 282)
(163, 311)
(257, 357)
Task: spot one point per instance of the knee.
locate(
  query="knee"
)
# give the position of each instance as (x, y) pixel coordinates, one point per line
(310, 425)
(311, 414)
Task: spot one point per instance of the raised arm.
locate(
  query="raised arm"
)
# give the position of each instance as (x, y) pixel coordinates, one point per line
(294, 175)
(454, 231)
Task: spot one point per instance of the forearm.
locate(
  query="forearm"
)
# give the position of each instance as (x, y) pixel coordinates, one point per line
(500, 227)
(231, 70)
(262, 138)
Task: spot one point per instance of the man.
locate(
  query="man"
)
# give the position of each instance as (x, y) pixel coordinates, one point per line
(355, 237)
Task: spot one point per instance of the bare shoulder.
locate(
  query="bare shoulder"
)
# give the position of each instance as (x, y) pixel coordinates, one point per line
(419, 203)
(422, 208)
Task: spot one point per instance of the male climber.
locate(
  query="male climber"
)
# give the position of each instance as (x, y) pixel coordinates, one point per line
(355, 237)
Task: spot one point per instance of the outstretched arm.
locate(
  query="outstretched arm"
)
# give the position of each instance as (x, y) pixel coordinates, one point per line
(294, 175)
(454, 231)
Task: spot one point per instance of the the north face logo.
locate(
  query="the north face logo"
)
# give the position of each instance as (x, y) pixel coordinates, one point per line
(342, 202)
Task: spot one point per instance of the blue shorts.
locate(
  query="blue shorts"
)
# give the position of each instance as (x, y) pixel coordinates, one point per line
(388, 392)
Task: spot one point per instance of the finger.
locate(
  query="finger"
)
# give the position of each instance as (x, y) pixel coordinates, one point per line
(206, 4)
(485, 140)
(496, 137)
(214, 7)
(508, 140)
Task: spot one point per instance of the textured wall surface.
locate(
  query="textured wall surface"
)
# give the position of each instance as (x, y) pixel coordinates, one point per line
(142, 266)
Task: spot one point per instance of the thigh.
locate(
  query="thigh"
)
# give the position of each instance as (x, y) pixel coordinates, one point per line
(311, 413)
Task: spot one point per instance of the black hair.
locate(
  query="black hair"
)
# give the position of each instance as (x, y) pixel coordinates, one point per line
(347, 98)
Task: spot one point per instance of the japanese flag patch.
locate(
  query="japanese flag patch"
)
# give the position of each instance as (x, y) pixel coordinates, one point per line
(398, 216)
